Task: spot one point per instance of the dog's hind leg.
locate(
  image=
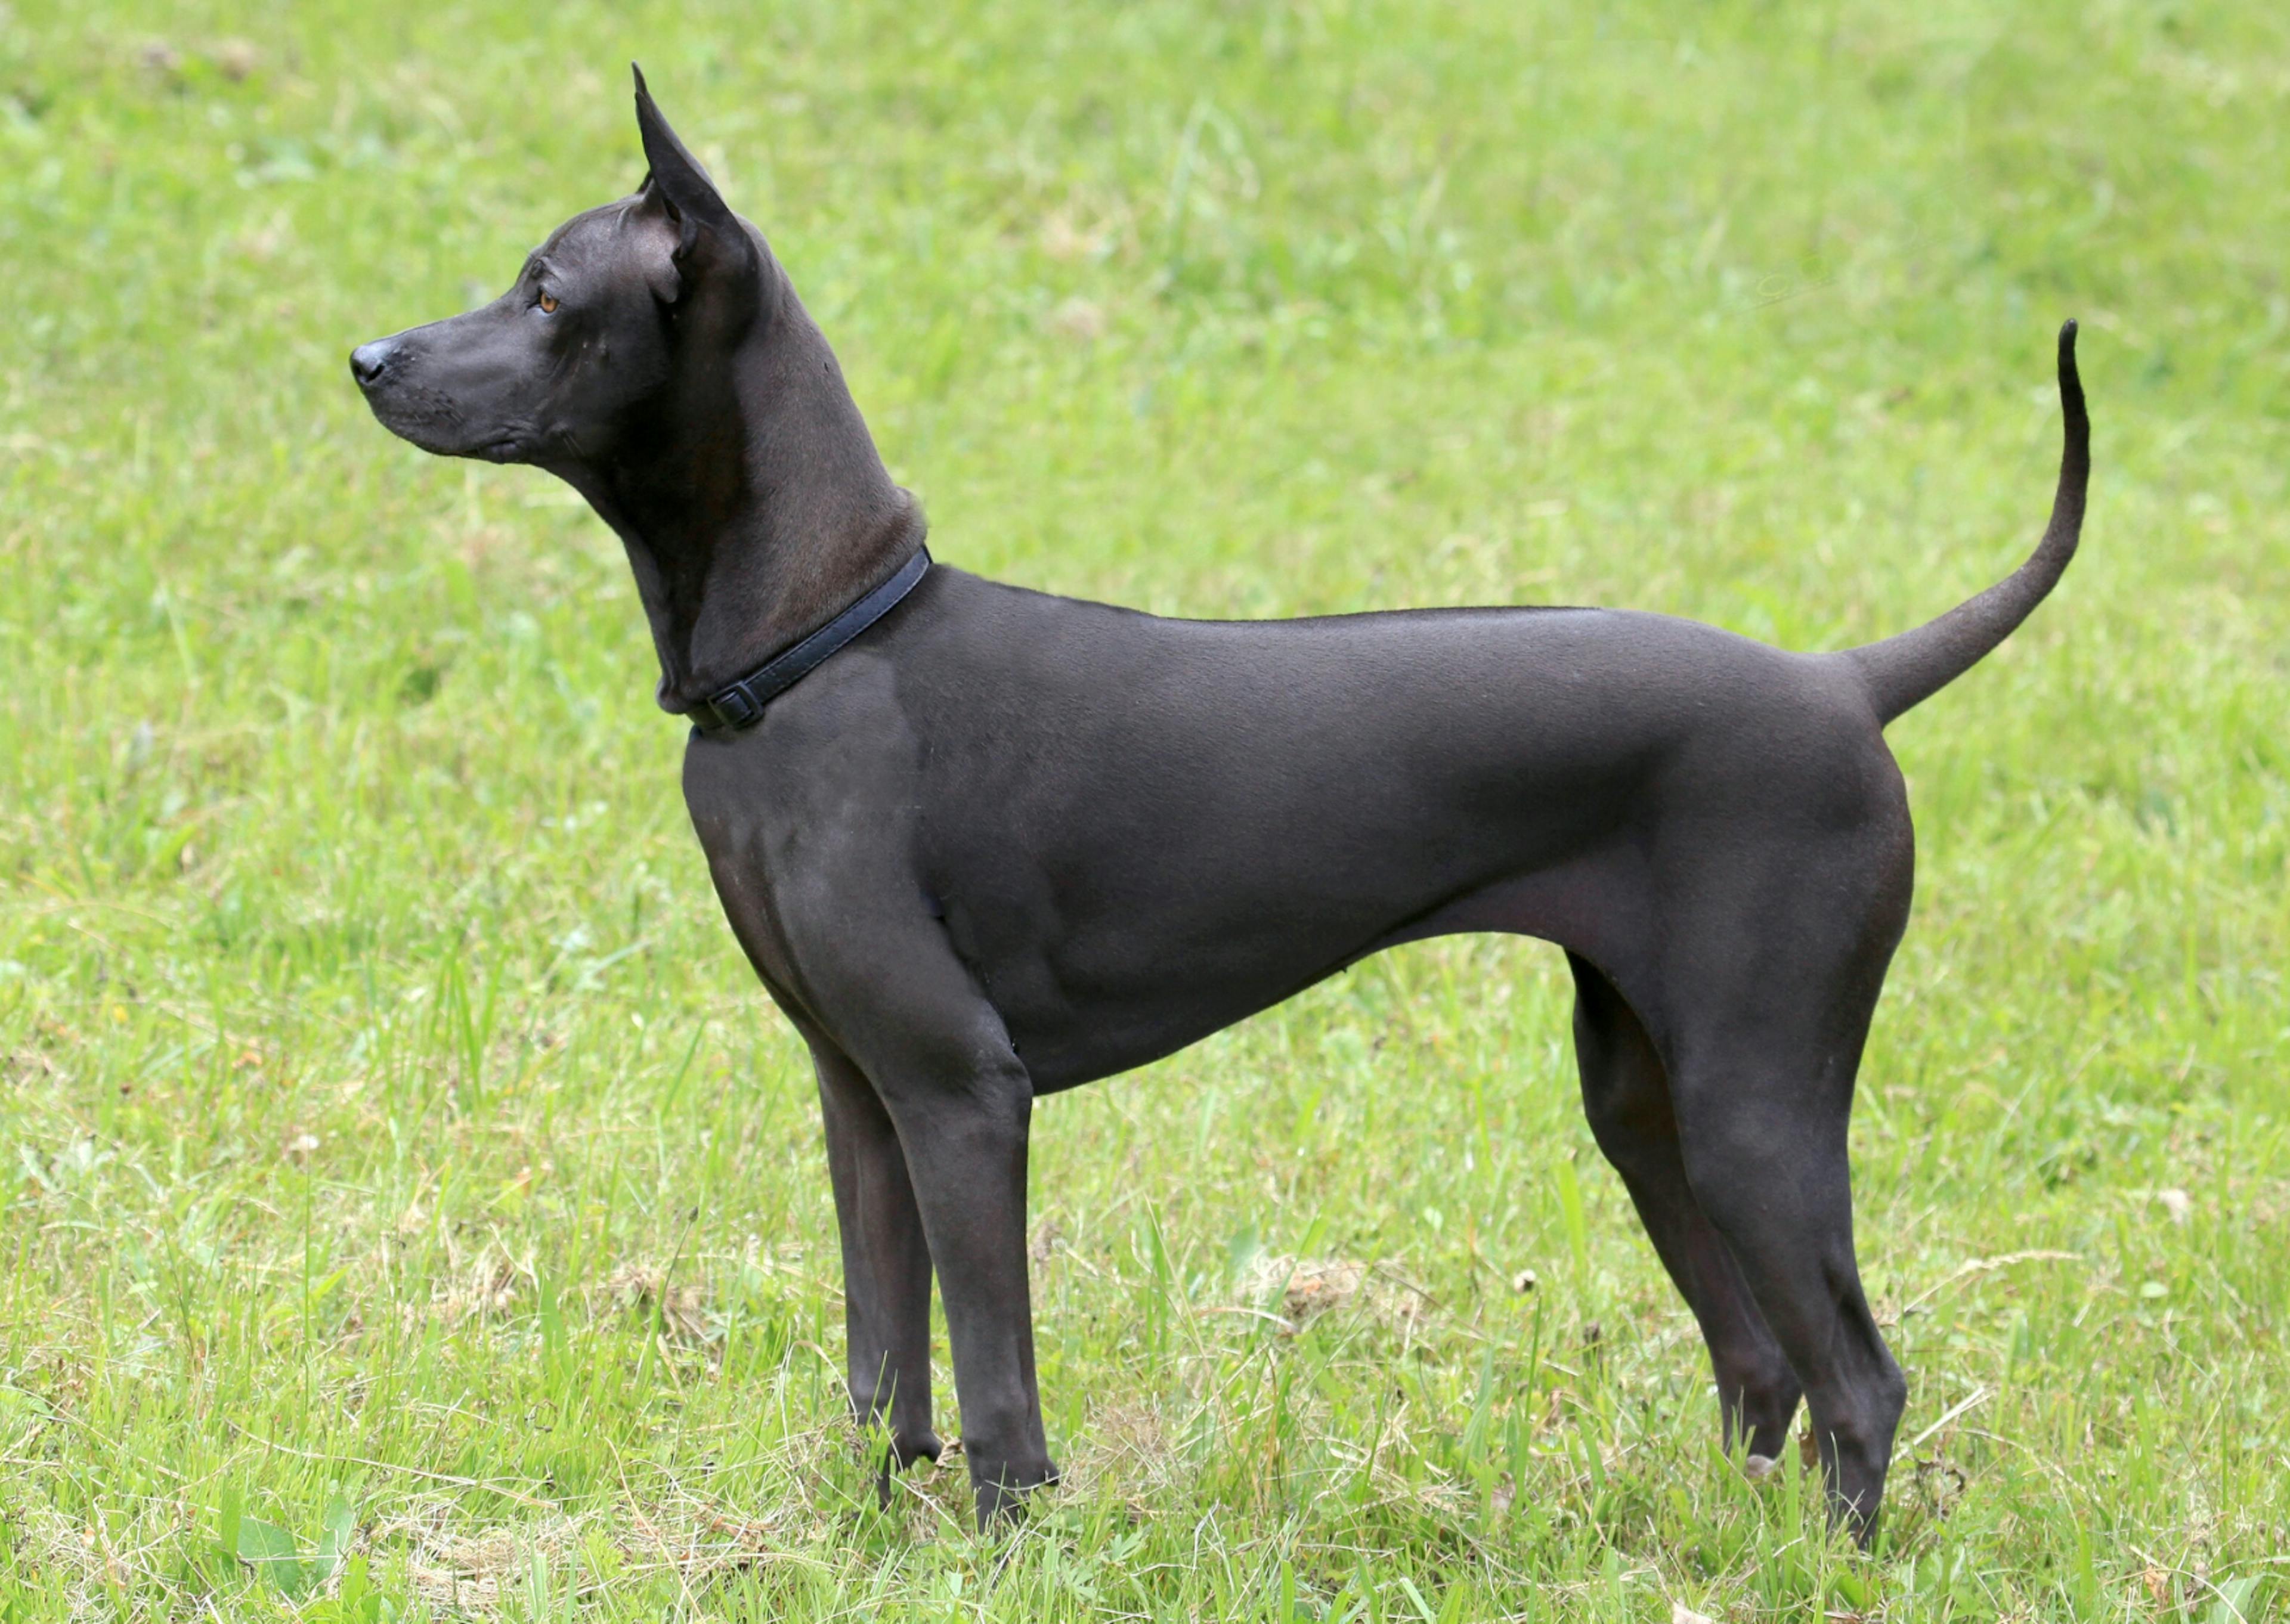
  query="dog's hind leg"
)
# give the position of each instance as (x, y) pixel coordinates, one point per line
(1626, 1095)
(1764, 1005)
(887, 1266)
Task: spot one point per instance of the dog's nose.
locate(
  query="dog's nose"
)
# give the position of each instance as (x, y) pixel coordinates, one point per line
(367, 361)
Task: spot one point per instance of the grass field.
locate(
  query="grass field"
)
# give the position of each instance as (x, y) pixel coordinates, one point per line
(412, 1209)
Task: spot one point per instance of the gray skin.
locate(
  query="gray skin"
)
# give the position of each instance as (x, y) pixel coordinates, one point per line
(1006, 843)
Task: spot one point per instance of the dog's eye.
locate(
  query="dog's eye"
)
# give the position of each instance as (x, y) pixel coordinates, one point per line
(548, 304)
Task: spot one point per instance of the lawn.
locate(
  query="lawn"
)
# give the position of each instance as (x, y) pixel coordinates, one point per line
(413, 1210)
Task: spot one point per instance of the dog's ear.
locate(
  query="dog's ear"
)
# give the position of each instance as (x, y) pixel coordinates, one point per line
(711, 245)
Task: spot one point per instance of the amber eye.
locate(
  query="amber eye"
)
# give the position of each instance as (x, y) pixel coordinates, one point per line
(548, 304)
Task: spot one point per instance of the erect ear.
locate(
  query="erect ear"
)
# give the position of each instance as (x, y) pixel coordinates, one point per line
(710, 242)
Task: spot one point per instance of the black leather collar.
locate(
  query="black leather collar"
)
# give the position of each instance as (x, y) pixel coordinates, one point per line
(741, 705)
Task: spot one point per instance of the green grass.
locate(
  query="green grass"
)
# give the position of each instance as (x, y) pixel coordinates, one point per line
(404, 1177)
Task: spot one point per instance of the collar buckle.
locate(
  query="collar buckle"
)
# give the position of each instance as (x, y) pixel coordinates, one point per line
(732, 709)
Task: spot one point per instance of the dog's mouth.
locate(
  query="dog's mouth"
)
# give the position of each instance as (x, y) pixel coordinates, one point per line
(436, 424)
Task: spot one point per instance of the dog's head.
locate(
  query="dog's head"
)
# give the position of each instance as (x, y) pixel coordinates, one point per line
(570, 365)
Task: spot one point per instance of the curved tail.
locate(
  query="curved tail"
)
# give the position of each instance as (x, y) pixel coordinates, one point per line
(1908, 670)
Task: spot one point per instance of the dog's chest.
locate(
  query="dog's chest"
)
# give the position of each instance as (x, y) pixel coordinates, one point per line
(806, 830)
(743, 887)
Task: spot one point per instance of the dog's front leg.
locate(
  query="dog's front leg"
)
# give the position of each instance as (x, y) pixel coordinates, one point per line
(886, 1268)
(965, 1146)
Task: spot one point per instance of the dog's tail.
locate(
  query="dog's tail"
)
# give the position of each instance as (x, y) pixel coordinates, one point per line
(1906, 670)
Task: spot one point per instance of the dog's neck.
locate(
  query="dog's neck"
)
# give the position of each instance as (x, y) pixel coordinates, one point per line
(753, 504)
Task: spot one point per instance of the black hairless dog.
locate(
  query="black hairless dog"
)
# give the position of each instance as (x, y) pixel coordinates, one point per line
(1002, 844)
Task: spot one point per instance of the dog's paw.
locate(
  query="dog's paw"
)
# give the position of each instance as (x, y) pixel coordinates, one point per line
(1757, 1469)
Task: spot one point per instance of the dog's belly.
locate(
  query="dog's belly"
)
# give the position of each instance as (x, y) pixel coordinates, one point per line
(1073, 1024)
(1205, 889)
